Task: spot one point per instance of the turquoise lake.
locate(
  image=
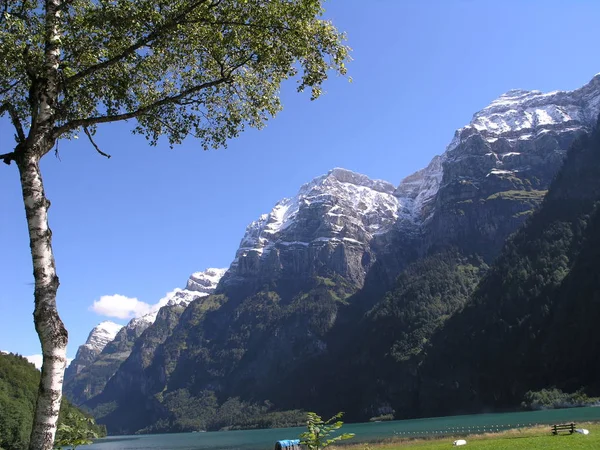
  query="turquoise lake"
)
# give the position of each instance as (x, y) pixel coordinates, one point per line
(265, 439)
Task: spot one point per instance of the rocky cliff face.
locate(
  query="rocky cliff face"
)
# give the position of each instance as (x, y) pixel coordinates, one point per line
(498, 168)
(87, 353)
(326, 228)
(90, 379)
(129, 399)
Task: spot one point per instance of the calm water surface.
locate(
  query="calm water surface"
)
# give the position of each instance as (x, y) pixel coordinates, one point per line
(265, 439)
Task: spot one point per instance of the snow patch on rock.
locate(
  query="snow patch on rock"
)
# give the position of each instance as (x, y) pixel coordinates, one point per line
(417, 192)
(101, 335)
(206, 281)
(523, 114)
(343, 198)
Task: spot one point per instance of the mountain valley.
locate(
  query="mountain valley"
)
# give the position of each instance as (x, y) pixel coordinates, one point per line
(376, 299)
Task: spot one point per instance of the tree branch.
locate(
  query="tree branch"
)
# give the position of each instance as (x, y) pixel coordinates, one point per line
(89, 135)
(14, 118)
(168, 24)
(132, 114)
(7, 158)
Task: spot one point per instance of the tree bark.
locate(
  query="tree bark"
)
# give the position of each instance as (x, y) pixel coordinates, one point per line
(51, 331)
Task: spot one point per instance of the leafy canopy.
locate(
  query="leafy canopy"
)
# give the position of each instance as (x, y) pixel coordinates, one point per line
(206, 68)
(75, 431)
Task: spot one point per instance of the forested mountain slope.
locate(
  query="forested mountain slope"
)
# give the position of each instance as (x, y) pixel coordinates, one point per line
(19, 381)
(532, 322)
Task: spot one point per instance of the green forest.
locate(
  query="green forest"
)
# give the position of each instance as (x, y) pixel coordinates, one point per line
(19, 381)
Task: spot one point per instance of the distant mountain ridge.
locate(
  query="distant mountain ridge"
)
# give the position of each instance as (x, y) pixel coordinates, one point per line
(327, 277)
(97, 360)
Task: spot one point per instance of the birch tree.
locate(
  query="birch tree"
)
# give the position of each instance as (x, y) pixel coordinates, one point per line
(173, 68)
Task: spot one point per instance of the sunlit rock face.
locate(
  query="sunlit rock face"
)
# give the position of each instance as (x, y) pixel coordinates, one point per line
(87, 353)
(497, 169)
(326, 228)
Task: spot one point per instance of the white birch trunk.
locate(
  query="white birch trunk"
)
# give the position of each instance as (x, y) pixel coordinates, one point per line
(50, 329)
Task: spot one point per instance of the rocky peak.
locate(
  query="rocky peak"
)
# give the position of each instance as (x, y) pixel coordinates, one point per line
(205, 282)
(516, 143)
(523, 115)
(101, 335)
(341, 175)
(87, 353)
(519, 132)
(300, 235)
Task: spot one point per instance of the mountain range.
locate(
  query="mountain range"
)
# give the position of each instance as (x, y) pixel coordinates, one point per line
(377, 299)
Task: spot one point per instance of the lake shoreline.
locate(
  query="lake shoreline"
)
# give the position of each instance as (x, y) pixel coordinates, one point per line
(368, 432)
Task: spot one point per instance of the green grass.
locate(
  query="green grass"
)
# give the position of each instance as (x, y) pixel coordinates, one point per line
(518, 195)
(526, 439)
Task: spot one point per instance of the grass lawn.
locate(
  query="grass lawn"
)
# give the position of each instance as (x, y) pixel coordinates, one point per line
(529, 438)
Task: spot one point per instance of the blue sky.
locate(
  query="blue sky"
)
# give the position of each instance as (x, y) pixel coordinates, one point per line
(138, 224)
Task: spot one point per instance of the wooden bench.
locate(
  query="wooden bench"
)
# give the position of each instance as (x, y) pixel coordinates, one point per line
(570, 427)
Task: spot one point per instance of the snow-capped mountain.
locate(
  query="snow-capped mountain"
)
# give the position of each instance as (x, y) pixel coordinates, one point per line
(511, 125)
(205, 281)
(101, 365)
(101, 335)
(517, 142)
(302, 235)
(298, 264)
(518, 132)
(521, 114)
(87, 353)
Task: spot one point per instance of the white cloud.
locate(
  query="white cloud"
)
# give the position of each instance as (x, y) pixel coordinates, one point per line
(36, 360)
(120, 306)
(123, 307)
